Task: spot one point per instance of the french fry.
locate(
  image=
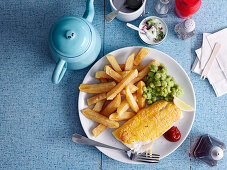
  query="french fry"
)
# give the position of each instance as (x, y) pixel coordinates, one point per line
(96, 98)
(111, 106)
(140, 98)
(124, 116)
(140, 56)
(113, 62)
(144, 72)
(98, 106)
(132, 88)
(103, 80)
(123, 73)
(131, 100)
(97, 88)
(120, 86)
(109, 71)
(124, 106)
(98, 130)
(139, 68)
(122, 66)
(129, 62)
(91, 114)
(102, 75)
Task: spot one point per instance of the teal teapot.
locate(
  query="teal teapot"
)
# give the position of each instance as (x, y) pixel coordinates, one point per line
(74, 43)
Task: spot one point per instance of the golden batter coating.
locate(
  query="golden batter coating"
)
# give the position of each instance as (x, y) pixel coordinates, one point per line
(149, 123)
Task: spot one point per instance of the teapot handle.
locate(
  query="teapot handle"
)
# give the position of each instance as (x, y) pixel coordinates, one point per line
(90, 11)
(59, 71)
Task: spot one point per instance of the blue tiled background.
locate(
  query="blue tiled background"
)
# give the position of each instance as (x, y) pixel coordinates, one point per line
(38, 118)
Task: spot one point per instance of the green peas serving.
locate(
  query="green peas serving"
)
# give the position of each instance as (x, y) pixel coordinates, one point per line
(160, 86)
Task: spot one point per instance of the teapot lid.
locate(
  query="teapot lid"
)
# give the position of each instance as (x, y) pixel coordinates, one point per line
(70, 36)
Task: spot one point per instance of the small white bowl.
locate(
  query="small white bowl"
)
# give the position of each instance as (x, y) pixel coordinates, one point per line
(165, 28)
(127, 17)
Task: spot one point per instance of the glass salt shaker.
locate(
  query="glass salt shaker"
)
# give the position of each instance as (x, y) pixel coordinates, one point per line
(185, 29)
(162, 7)
(209, 150)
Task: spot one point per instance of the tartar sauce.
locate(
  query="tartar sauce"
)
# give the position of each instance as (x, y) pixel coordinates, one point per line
(155, 30)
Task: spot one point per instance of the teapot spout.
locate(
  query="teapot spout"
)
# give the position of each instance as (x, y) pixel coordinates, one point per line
(90, 11)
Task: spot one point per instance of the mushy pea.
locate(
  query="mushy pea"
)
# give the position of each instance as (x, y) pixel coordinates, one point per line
(160, 86)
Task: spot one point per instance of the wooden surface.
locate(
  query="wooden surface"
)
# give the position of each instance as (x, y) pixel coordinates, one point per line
(37, 118)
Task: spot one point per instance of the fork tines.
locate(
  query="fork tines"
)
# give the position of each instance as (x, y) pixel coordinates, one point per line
(147, 161)
(149, 155)
(153, 154)
(148, 158)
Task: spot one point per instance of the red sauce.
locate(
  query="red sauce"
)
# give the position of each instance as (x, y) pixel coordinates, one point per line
(173, 134)
(186, 8)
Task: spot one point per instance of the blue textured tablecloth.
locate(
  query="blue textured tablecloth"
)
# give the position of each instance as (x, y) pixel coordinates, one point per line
(38, 118)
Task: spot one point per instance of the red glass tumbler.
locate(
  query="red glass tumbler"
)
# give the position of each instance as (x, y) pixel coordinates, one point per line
(186, 8)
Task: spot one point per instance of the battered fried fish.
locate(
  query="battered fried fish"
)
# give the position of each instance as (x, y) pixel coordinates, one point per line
(147, 125)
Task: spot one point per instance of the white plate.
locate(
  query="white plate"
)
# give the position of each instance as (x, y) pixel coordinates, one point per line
(161, 145)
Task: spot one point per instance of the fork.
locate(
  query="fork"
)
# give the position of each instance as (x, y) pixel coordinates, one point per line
(142, 157)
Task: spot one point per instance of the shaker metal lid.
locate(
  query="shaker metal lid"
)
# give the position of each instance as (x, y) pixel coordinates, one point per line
(189, 25)
(70, 36)
(216, 153)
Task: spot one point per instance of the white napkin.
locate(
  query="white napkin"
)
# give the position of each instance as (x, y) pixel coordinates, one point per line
(217, 80)
(205, 51)
(217, 75)
(221, 37)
